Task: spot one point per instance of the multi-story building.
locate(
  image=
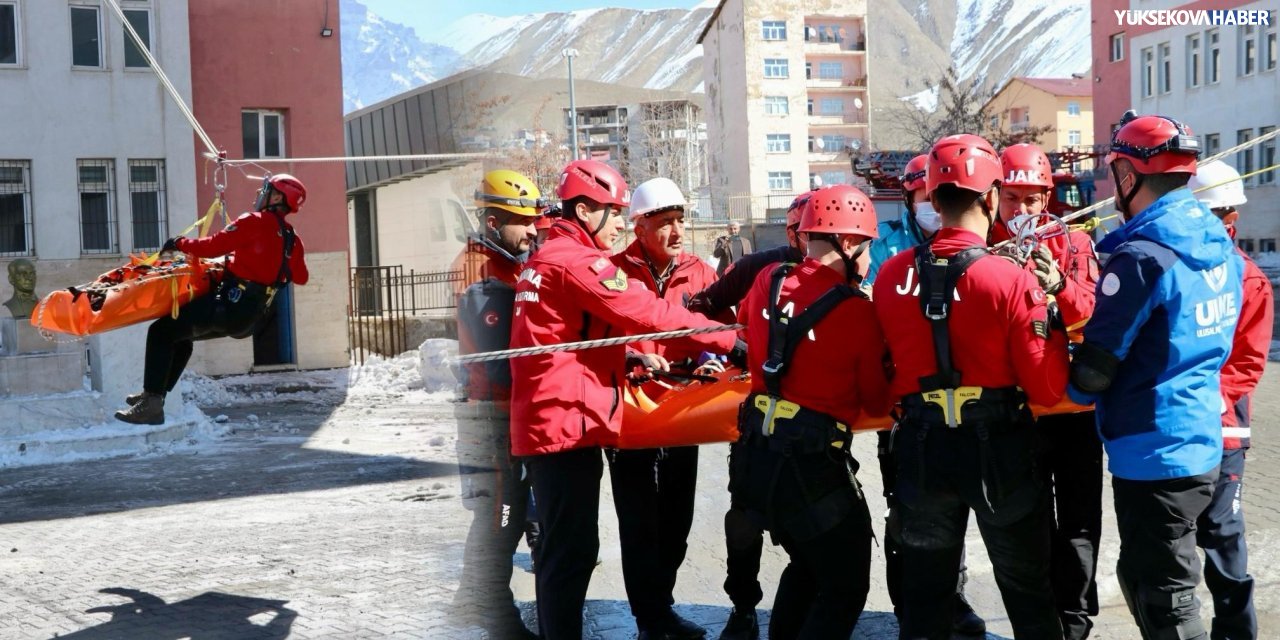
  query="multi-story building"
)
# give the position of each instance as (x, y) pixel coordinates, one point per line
(1220, 79)
(1065, 105)
(657, 138)
(787, 99)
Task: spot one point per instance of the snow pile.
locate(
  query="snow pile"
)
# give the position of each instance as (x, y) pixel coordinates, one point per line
(926, 100)
(203, 391)
(433, 356)
(379, 375)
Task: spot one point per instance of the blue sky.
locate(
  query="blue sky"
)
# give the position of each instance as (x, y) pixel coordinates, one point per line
(425, 16)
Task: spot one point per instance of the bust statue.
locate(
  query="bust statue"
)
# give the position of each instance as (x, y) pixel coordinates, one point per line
(22, 275)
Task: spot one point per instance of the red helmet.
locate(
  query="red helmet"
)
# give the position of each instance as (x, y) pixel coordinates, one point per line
(796, 210)
(286, 185)
(913, 174)
(965, 160)
(595, 180)
(839, 208)
(1025, 165)
(543, 222)
(1154, 144)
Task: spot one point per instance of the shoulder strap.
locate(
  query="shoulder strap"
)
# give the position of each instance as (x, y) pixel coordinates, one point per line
(785, 334)
(287, 235)
(938, 278)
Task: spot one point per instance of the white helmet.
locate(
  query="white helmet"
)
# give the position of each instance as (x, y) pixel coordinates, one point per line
(655, 196)
(1225, 187)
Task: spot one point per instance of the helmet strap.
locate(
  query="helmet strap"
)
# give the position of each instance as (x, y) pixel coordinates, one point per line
(850, 261)
(1125, 199)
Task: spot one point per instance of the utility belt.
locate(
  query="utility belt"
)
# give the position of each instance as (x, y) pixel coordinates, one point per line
(233, 289)
(788, 428)
(965, 406)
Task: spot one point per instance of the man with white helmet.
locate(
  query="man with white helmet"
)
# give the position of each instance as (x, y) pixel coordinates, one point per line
(653, 488)
(1220, 529)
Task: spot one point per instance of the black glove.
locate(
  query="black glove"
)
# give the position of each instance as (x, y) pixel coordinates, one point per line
(738, 356)
(170, 245)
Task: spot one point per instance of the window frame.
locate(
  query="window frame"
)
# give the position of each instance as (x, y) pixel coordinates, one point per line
(17, 36)
(777, 143)
(1117, 47)
(111, 224)
(1212, 56)
(1268, 54)
(778, 29)
(1266, 156)
(771, 103)
(149, 39)
(1246, 51)
(1193, 42)
(1073, 108)
(102, 53)
(24, 190)
(162, 203)
(783, 64)
(1212, 143)
(828, 100)
(1148, 72)
(1164, 68)
(262, 139)
(824, 66)
(1244, 157)
(779, 176)
(1076, 135)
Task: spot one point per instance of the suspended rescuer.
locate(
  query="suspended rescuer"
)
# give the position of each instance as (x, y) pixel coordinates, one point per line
(972, 339)
(566, 405)
(822, 362)
(915, 226)
(1067, 269)
(263, 255)
(1220, 529)
(653, 489)
(744, 539)
(1166, 311)
(495, 488)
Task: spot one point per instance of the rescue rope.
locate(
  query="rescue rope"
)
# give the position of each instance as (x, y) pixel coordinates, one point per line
(419, 156)
(488, 356)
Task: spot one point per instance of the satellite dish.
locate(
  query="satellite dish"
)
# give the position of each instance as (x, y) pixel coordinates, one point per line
(857, 103)
(855, 144)
(816, 181)
(818, 144)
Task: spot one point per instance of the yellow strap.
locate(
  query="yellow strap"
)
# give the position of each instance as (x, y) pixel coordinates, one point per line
(1092, 223)
(204, 221)
(173, 291)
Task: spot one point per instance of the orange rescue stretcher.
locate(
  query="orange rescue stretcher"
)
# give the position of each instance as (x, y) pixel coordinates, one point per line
(707, 412)
(137, 292)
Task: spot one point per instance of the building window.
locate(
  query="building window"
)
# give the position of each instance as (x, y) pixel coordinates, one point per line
(1073, 137)
(1166, 67)
(1073, 108)
(1213, 57)
(832, 106)
(1246, 245)
(263, 134)
(995, 123)
(147, 204)
(1117, 47)
(1269, 43)
(10, 46)
(776, 106)
(15, 207)
(777, 143)
(830, 70)
(780, 181)
(1148, 72)
(1267, 245)
(832, 143)
(810, 106)
(1248, 47)
(775, 67)
(141, 21)
(1267, 156)
(1212, 144)
(1193, 60)
(834, 177)
(97, 210)
(774, 30)
(86, 37)
(1244, 159)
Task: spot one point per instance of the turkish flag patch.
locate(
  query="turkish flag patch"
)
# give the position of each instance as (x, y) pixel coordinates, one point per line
(1036, 296)
(491, 319)
(600, 265)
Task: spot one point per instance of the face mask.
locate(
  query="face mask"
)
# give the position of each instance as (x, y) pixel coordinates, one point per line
(928, 219)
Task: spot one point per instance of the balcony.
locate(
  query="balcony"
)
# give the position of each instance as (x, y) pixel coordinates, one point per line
(835, 38)
(855, 118)
(1018, 126)
(858, 83)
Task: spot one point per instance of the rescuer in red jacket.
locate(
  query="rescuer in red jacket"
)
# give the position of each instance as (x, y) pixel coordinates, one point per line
(1067, 269)
(1220, 530)
(566, 405)
(971, 339)
(263, 255)
(811, 375)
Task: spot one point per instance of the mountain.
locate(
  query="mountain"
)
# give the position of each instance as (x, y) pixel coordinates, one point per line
(382, 58)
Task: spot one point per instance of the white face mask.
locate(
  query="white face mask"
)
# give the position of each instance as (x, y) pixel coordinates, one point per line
(928, 219)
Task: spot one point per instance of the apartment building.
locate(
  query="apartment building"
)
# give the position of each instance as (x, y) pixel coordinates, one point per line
(649, 139)
(1064, 104)
(787, 100)
(1221, 80)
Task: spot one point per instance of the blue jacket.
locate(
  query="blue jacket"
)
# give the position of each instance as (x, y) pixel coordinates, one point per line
(895, 236)
(1168, 301)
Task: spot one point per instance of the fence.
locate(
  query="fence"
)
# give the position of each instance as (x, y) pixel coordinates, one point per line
(376, 312)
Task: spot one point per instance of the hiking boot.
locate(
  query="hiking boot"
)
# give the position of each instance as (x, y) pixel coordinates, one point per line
(965, 621)
(673, 628)
(148, 410)
(134, 398)
(742, 625)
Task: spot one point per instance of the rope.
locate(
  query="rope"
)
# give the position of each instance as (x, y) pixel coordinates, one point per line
(420, 156)
(164, 79)
(488, 356)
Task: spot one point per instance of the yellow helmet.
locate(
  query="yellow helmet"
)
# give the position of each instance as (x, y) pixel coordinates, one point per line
(510, 191)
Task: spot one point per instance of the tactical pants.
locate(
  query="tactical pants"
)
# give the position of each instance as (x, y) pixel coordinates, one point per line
(653, 492)
(942, 474)
(1220, 532)
(744, 544)
(1158, 568)
(495, 490)
(1074, 462)
(170, 340)
(566, 488)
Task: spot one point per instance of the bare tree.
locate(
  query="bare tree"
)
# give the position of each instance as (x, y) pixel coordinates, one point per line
(962, 108)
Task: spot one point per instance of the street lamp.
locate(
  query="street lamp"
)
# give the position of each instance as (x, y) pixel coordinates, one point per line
(570, 54)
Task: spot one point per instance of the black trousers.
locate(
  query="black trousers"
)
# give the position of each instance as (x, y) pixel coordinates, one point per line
(1158, 568)
(170, 340)
(497, 493)
(944, 473)
(1220, 532)
(744, 544)
(653, 491)
(1074, 464)
(566, 488)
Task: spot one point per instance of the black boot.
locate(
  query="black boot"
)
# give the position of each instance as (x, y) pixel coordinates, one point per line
(742, 625)
(148, 410)
(673, 628)
(134, 398)
(965, 621)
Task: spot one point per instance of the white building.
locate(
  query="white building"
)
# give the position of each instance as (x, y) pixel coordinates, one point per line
(1223, 82)
(96, 160)
(787, 100)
